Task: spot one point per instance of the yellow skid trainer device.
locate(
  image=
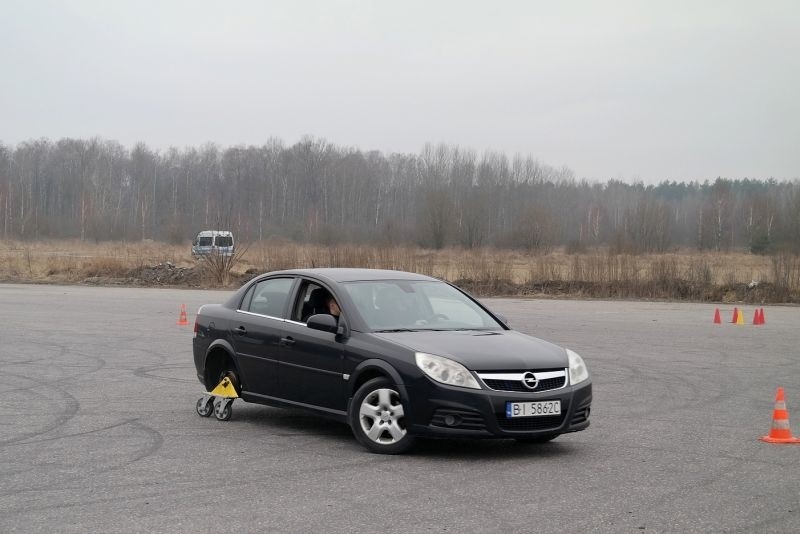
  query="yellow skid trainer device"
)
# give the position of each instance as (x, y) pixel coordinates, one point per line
(218, 401)
(225, 390)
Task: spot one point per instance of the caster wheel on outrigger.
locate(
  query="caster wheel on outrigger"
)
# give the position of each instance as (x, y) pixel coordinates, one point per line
(218, 401)
(223, 409)
(205, 406)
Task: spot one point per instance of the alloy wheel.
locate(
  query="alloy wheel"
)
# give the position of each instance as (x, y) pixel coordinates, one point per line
(381, 416)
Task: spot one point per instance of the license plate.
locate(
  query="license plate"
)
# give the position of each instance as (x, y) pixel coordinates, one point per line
(533, 409)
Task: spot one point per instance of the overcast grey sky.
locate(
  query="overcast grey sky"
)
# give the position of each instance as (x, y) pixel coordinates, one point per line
(629, 90)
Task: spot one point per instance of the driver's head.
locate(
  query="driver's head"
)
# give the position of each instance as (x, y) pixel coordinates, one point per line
(333, 306)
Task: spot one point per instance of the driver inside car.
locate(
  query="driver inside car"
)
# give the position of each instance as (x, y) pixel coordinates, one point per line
(320, 301)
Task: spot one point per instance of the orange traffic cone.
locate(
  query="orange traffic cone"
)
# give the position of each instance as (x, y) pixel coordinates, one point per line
(717, 318)
(735, 315)
(182, 317)
(756, 317)
(761, 319)
(780, 431)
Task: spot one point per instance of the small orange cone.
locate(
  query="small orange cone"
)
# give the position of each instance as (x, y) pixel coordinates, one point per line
(780, 431)
(735, 315)
(182, 317)
(756, 318)
(761, 319)
(740, 317)
(717, 318)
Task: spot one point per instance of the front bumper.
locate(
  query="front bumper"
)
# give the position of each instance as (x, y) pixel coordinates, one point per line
(437, 410)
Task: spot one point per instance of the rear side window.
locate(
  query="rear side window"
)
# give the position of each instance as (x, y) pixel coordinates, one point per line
(224, 241)
(269, 297)
(205, 241)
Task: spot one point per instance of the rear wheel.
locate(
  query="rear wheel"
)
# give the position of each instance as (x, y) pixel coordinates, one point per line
(377, 417)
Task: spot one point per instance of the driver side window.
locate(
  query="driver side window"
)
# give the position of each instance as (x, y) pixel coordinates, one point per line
(311, 300)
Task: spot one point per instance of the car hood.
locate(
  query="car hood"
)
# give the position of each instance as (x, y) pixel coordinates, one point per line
(484, 350)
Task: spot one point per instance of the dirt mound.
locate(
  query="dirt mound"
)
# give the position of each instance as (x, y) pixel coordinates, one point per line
(167, 274)
(163, 274)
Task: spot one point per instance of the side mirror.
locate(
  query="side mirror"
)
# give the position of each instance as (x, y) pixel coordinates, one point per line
(323, 322)
(503, 318)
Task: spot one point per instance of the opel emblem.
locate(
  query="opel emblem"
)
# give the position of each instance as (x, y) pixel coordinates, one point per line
(529, 380)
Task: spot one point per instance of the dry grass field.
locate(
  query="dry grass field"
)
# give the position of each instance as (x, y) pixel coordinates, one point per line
(685, 275)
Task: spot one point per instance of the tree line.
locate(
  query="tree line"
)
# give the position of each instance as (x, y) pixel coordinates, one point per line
(314, 191)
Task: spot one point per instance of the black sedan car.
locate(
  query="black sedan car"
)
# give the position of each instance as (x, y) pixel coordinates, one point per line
(395, 355)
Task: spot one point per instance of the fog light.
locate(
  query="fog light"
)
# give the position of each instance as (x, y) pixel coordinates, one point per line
(452, 420)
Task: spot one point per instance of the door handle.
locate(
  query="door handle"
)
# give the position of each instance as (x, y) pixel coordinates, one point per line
(288, 341)
(241, 330)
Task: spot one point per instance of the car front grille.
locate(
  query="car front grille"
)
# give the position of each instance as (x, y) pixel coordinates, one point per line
(461, 419)
(547, 380)
(516, 385)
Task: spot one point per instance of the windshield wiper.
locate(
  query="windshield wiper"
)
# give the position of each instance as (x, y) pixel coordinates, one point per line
(397, 330)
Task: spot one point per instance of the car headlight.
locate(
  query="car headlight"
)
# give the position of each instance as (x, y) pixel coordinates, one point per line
(578, 372)
(446, 371)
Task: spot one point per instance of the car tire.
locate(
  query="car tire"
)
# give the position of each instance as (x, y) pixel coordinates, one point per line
(538, 439)
(377, 418)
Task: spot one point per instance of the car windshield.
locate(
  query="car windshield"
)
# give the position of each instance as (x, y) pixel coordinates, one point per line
(406, 305)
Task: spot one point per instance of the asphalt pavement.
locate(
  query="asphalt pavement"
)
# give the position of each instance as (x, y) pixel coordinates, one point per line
(98, 431)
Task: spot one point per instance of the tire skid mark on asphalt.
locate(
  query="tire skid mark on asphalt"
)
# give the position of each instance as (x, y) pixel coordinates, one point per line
(74, 434)
(158, 356)
(26, 362)
(146, 372)
(6, 391)
(57, 362)
(670, 389)
(62, 349)
(155, 442)
(71, 408)
(62, 368)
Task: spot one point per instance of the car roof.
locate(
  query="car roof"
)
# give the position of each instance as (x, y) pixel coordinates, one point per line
(212, 233)
(355, 275)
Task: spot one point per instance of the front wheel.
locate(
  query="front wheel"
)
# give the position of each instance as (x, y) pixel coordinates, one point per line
(377, 417)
